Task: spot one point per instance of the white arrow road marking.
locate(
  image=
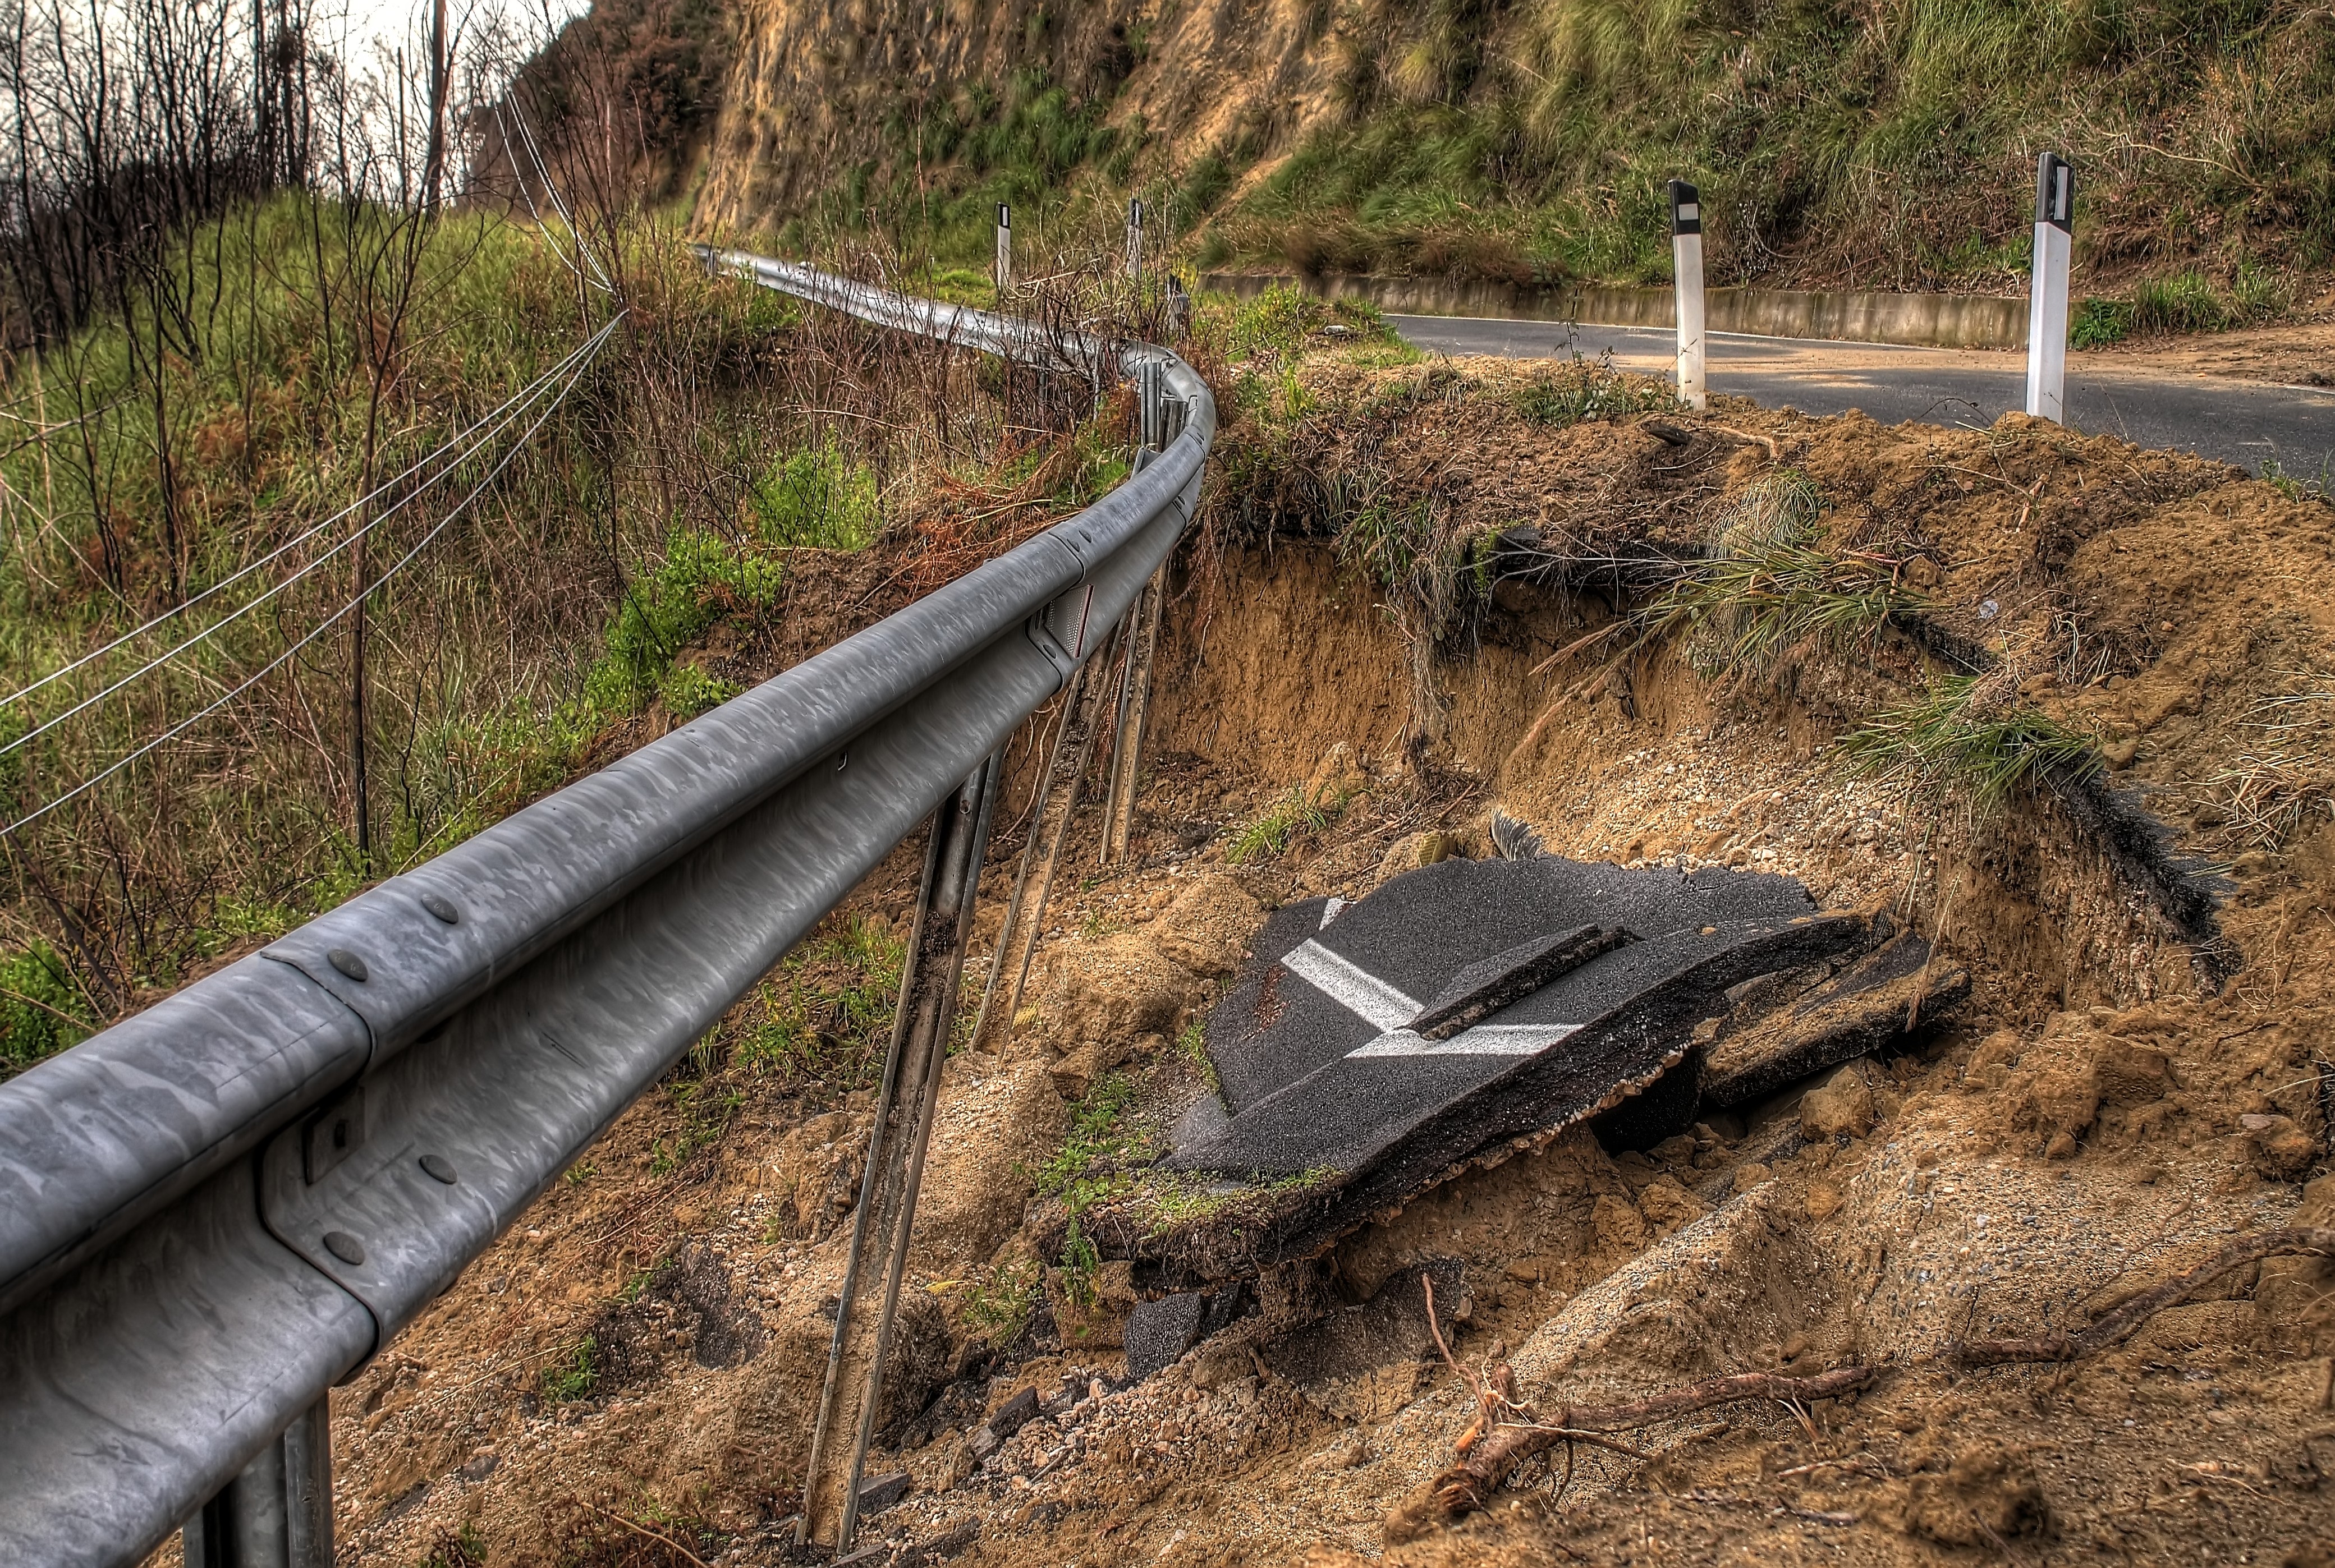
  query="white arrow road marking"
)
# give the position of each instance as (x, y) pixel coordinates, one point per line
(1483, 1040)
(1387, 1010)
(1351, 987)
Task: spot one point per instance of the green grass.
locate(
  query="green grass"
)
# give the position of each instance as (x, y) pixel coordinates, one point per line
(1192, 1045)
(1094, 1162)
(563, 598)
(707, 1106)
(1271, 831)
(573, 1374)
(42, 1012)
(1571, 393)
(1967, 737)
(1768, 586)
(1894, 145)
(825, 1015)
(999, 1304)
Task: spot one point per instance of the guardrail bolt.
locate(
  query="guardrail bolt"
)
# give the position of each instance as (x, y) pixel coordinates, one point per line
(439, 1168)
(441, 908)
(347, 963)
(345, 1247)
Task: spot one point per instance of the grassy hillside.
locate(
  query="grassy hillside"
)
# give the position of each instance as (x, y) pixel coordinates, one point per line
(1888, 145)
(203, 462)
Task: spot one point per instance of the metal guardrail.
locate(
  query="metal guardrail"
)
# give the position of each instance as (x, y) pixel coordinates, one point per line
(216, 1210)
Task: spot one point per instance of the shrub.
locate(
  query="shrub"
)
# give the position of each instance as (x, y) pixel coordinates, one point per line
(701, 579)
(41, 1014)
(819, 499)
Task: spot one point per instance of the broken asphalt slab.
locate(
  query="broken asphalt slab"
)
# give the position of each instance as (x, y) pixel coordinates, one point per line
(1565, 990)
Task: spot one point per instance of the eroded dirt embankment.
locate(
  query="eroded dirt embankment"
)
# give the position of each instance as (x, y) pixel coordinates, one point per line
(625, 1376)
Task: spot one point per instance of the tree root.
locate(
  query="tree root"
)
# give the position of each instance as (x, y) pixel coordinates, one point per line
(2118, 1326)
(1507, 1431)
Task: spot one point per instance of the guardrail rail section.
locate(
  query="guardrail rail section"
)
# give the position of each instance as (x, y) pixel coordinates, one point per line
(213, 1212)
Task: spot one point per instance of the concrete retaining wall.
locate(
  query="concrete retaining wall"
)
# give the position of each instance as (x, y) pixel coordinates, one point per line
(1932, 320)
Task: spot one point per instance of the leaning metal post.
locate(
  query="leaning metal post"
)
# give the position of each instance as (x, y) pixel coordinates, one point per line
(880, 1232)
(278, 1513)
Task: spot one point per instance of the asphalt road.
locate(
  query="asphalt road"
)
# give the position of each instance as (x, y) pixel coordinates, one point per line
(1319, 1047)
(2247, 423)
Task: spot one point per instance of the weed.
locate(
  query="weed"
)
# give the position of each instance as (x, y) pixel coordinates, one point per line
(573, 1374)
(1080, 1262)
(999, 1304)
(1093, 1163)
(451, 1548)
(2099, 322)
(701, 578)
(582, 1171)
(1192, 1045)
(1179, 1198)
(706, 1110)
(2274, 475)
(1581, 390)
(2189, 301)
(1271, 833)
(819, 499)
(1967, 737)
(826, 1016)
(41, 1011)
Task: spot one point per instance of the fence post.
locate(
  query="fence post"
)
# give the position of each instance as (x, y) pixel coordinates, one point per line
(278, 1513)
(2047, 303)
(1005, 247)
(1135, 237)
(1686, 266)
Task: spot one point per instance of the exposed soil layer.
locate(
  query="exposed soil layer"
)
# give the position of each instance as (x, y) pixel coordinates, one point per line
(2107, 1108)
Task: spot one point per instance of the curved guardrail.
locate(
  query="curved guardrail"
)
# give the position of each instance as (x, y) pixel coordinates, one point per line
(214, 1211)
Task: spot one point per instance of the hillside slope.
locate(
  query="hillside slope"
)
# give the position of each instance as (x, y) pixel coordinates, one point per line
(1885, 146)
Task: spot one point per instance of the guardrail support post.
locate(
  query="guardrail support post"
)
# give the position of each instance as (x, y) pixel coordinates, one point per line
(1150, 385)
(1134, 718)
(278, 1514)
(1686, 268)
(921, 1030)
(1050, 831)
(1135, 237)
(1004, 247)
(2047, 302)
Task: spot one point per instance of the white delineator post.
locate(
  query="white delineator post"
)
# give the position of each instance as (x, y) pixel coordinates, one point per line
(1135, 237)
(2046, 303)
(1686, 266)
(1004, 247)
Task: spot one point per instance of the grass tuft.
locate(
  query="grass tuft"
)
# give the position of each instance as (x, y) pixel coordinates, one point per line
(1768, 587)
(1280, 825)
(1967, 737)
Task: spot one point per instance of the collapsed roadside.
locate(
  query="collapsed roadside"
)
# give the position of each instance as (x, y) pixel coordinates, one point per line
(1435, 599)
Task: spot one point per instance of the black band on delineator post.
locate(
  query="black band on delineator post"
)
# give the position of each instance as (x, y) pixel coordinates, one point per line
(1686, 209)
(2054, 193)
